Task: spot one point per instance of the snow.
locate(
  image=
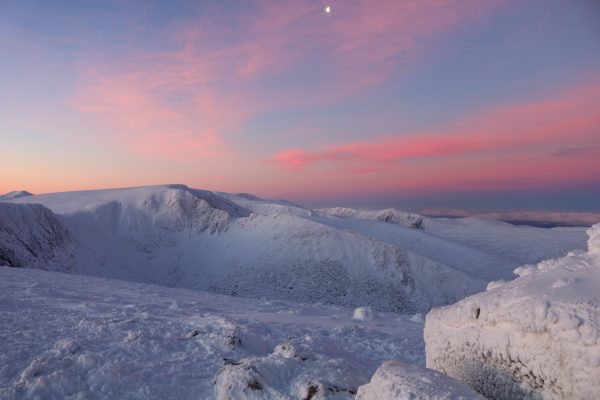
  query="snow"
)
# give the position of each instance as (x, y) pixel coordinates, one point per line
(239, 244)
(396, 380)
(485, 249)
(267, 207)
(317, 300)
(70, 336)
(176, 236)
(535, 337)
(14, 195)
(389, 215)
(31, 235)
(363, 314)
(535, 218)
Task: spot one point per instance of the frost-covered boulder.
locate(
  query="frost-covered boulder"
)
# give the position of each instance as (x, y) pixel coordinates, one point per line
(396, 380)
(534, 337)
(278, 377)
(363, 314)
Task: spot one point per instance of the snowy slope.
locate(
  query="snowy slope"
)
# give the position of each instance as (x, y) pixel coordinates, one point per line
(390, 215)
(486, 249)
(535, 337)
(14, 195)
(267, 207)
(176, 236)
(68, 336)
(32, 236)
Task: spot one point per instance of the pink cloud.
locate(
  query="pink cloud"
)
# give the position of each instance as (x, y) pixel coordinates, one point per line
(193, 98)
(561, 121)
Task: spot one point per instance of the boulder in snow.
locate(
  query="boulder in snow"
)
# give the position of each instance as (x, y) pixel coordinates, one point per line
(395, 380)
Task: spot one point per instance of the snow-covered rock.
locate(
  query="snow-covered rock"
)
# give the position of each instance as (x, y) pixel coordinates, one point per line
(535, 337)
(363, 314)
(396, 380)
(495, 284)
(32, 236)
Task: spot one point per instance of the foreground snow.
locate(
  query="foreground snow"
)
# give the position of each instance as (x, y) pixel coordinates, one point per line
(69, 336)
(535, 337)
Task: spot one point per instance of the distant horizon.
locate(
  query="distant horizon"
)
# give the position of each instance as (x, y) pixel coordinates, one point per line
(424, 206)
(454, 104)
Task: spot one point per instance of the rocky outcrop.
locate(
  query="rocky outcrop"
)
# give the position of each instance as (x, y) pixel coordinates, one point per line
(32, 236)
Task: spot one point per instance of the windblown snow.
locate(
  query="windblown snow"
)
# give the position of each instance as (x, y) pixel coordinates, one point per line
(535, 337)
(239, 244)
(69, 336)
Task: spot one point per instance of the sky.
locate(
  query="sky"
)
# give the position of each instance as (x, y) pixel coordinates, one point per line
(487, 104)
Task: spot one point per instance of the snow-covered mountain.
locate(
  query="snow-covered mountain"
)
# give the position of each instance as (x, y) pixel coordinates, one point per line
(242, 245)
(14, 195)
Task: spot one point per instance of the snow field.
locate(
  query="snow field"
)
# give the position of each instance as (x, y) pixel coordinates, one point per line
(69, 336)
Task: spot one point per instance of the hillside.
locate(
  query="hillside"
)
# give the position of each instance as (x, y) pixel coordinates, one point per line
(242, 245)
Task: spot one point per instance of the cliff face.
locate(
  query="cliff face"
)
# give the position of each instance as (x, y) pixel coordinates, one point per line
(32, 236)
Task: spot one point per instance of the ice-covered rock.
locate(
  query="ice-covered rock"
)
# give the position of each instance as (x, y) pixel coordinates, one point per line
(495, 284)
(594, 241)
(32, 236)
(395, 380)
(535, 337)
(363, 314)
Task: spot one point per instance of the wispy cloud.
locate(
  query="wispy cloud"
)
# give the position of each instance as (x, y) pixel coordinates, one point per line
(559, 121)
(189, 99)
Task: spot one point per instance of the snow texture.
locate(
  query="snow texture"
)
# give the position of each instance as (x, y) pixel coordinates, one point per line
(534, 337)
(77, 337)
(396, 380)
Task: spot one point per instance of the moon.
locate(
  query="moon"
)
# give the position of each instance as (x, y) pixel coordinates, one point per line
(328, 9)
